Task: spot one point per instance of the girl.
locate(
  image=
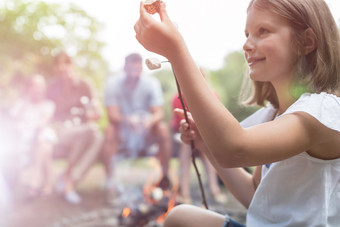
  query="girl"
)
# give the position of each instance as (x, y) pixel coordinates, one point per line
(290, 44)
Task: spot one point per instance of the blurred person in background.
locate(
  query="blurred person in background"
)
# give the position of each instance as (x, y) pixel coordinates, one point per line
(75, 121)
(10, 165)
(185, 157)
(32, 151)
(134, 104)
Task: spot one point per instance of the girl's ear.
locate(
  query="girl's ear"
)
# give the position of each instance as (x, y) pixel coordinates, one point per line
(310, 41)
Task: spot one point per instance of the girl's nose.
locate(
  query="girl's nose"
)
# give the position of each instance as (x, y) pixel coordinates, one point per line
(248, 46)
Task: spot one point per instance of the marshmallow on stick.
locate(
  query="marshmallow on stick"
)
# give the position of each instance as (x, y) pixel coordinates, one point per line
(152, 6)
(153, 63)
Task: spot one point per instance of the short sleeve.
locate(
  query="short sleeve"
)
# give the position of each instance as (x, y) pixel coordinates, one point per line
(262, 115)
(324, 107)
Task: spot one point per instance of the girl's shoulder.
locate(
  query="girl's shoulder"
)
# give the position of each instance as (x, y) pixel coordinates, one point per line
(323, 106)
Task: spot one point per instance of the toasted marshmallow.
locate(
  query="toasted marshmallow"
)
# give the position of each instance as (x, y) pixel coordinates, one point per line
(152, 6)
(153, 63)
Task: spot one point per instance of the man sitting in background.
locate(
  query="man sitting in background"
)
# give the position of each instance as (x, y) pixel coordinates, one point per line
(134, 104)
(76, 113)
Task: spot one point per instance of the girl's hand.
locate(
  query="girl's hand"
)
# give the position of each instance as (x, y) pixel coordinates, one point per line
(187, 135)
(159, 37)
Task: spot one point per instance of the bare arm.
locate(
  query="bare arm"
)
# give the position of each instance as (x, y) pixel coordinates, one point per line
(157, 115)
(239, 182)
(232, 145)
(229, 143)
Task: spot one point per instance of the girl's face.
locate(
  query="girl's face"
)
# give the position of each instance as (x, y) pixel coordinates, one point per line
(268, 48)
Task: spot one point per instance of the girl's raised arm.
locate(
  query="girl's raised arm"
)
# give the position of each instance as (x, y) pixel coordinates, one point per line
(231, 145)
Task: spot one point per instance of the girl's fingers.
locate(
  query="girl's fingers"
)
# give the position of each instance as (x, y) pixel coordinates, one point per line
(184, 124)
(180, 113)
(144, 15)
(142, 11)
(144, 19)
(187, 138)
(184, 130)
(163, 13)
(160, 37)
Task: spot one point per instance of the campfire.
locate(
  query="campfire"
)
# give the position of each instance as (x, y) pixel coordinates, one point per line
(152, 209)
(145, 214)
(141, 204)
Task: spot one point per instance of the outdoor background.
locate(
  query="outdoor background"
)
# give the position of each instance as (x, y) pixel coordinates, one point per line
(98, 34)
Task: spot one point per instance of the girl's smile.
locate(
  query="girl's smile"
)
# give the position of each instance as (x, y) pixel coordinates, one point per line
(254, 60)
(268, 48)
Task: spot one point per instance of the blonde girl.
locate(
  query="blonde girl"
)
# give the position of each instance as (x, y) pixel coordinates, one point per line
(293, 140)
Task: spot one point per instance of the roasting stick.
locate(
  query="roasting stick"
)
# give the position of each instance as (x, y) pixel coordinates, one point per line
(154, 63)
(194, 151)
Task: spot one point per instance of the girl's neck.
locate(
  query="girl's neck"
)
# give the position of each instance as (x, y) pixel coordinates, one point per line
(284, 103)
(284, 97)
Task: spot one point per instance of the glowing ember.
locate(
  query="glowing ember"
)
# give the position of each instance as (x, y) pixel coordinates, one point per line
(126, 212)
(171, 205)
(155, 203)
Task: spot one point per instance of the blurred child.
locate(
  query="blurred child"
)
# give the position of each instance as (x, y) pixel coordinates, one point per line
(32, 114)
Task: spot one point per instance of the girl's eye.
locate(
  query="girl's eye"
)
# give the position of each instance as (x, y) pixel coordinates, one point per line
(263, 31)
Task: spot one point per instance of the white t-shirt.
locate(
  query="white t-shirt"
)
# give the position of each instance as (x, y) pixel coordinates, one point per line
(301, 191)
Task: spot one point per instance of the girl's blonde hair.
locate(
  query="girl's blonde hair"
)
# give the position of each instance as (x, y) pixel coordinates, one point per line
(320, 69)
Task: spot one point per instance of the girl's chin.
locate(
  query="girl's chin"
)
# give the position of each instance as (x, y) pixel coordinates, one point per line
(255, 76)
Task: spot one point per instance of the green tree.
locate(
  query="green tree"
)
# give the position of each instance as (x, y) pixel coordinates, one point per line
(228, 80)
(32, 32)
